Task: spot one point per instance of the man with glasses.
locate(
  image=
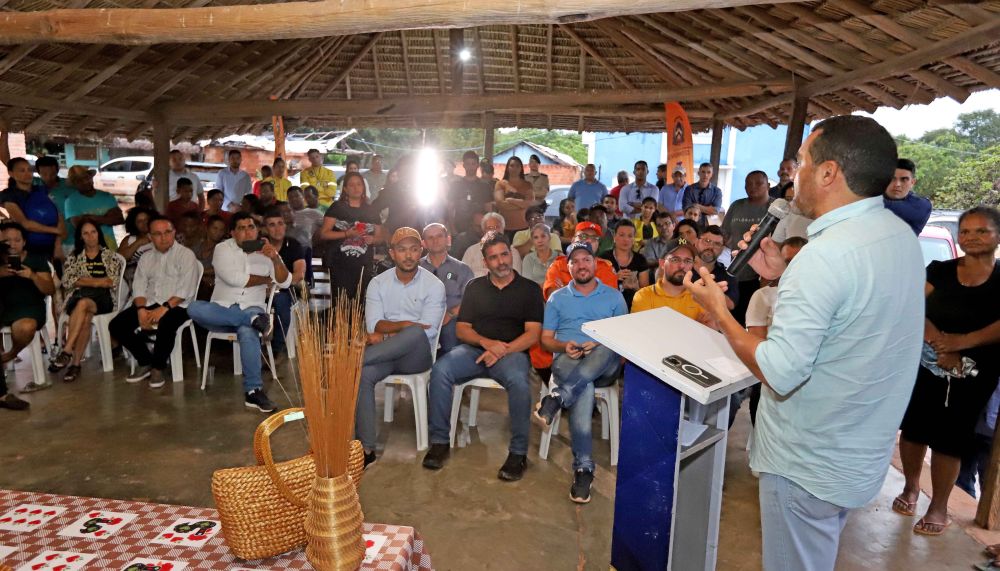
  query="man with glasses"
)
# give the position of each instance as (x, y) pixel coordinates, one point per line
(522, 238)
(166, 281)
(711, 246)
(654, 248)
(669, 291)
(558, 274)
(743, 214)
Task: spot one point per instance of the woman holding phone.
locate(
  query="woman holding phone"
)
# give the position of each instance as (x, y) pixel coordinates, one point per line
(352, 226)
(91, 279)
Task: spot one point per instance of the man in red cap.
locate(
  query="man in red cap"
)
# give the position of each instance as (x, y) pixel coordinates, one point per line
(558, 274)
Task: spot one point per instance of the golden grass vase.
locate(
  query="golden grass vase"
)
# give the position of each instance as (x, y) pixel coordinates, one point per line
(333, 525)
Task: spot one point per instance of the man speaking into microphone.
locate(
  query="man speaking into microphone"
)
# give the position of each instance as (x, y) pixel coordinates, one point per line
(841, 355)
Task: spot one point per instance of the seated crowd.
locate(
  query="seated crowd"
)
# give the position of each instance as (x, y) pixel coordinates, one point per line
(461, 276)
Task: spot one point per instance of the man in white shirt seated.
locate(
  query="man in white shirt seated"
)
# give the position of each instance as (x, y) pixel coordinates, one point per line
(244, 269)
(166, 281)
(473, 257)
(403, 311)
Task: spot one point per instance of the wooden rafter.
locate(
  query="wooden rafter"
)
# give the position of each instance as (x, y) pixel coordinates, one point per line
(375, 72)
(515, 59)
(639, 52)
(437, 62)
(350, 66)
(406, 61)
(480, 63)
(597, 56)
(549, 33)
(322, 63)
(15, 56)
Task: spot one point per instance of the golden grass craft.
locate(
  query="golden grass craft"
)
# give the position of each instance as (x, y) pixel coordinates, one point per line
(263, 507)
(330, 360)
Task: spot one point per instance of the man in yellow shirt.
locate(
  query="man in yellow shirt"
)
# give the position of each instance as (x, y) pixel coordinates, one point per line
(279, 179)
(669, 291)
(320, 177)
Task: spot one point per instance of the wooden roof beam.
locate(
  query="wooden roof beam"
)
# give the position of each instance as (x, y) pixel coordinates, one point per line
(188, 113)
(639, 52)
(679, 52)
(29, 101)
(597, 56)
(481, 65)
(515, 59)
(406, 59)
(15, 56)
(437, 62)
(350, 66)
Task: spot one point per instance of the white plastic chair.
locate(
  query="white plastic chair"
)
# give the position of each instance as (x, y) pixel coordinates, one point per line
(234, 340)
(607, 400)
(456, 401)
(417, 384)
(99, 323)
(291, 335)
(177, 353)
(38, 367)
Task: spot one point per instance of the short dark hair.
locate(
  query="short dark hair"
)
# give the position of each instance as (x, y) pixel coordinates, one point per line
(868, 167)
(277, 160)
(492, 238)
(661, 214)
(756, 173)
(907, 165)
(15, 226)
(184, 181)
(623, 223)
(706, 165)
(989, 212)
(292, 189)
(352, 161)
(46, 161)
(532, 211)
(156, 216)
(661, 167)
(640, 162)
(686, 222)
(215, 218)
(311, 151)
(535, 158)
(234, 152)
(261, 186)
(583, 214)
(794, 242)
(238, 216)
(175, 152)
(273, 212)
(309, 189)
(648, 199)
(470, 155)
(598, 208)
(213, 193)
(611, 196)
(713, 229)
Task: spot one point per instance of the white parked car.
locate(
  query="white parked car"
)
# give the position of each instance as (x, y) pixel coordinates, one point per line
(123, 175)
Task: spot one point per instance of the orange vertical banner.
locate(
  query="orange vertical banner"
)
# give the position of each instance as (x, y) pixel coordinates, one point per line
(680, 147)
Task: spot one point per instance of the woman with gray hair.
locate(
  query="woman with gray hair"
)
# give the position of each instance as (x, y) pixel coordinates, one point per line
(473, 256)
(541, 256)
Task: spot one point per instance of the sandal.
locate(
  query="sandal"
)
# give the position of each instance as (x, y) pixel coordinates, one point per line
(929, 527)
(33, 386)
(903, 507)
(993, 550)
(60, 361)
(71, 373)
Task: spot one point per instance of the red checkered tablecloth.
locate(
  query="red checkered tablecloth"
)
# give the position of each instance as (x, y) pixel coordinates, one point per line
(403, 549)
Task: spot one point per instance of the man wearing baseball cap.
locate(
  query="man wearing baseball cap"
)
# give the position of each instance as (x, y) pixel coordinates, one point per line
(403, 310)
(672, 194)
(558, 274)
(669, 291)
(580, 363)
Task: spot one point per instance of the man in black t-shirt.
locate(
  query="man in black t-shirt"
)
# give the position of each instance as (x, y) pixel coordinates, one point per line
(469, 194)
(500, 319)
(294, 256)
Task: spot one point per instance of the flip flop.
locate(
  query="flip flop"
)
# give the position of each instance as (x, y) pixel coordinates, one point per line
(993, 550)
(903, 507)
(921, 527)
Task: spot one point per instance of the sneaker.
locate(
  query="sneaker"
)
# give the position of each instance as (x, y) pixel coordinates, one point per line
(513, 469)
(369, 459)
(156, 379)
(141, 372)
(33, 386)
(579, 492)
(257, 399)
(13, 403)
(436, 456)
(546, 410)
(61, 360)
(264, 324)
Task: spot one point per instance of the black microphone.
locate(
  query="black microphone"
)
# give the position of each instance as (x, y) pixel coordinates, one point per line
(775, 212)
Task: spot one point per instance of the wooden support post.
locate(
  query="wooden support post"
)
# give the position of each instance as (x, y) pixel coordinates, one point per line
(716, 153)
(793, 138)
(278, 128)
(161, 162)
(488, 136)
(988, 512)
(456, 43)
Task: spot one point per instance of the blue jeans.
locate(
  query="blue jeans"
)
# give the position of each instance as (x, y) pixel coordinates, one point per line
(406, 353)
(576, 379)
(801, 531)
(282, 307)
(232, 319)
(459, 366)
(449, 338)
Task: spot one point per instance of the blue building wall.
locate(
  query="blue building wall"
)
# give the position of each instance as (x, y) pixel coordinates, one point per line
(523, 152)
(757, 148)
(104, 155)
(619, 151)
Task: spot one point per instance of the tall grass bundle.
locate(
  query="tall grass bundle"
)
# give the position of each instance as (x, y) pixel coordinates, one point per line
(330, 354)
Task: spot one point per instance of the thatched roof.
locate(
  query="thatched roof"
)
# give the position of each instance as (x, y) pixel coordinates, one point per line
(741, 64)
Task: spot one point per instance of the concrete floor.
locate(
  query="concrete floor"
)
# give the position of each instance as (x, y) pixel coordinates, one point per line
(101, 437)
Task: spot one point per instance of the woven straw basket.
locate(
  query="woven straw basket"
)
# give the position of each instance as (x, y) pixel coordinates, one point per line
(263, 507)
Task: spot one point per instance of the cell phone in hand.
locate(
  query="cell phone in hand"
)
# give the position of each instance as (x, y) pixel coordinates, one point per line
(251, 246)
(691, 371)
(14, 263)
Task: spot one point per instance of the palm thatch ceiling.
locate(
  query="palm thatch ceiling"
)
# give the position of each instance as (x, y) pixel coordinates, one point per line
(739, 63)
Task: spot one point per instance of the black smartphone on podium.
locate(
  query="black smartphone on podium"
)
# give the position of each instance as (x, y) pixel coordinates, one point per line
(691, 371)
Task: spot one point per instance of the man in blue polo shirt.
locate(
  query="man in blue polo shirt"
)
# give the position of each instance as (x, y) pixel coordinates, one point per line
(703, 193)
(899, 197)
(580, 363)
(589, 191)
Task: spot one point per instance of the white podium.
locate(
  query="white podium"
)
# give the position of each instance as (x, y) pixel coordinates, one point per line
(668, 495)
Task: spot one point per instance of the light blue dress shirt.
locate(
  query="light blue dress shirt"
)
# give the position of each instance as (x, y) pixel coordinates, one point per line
(568, 309)
(420, 301)
(841, 355)
(586, 194)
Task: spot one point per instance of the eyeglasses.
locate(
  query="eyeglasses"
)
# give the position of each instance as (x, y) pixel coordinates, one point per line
(712, 243)
(586, 237)
(681, 261)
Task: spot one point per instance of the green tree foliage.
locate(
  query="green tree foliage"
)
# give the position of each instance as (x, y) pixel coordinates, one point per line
(937, 155)
(976, 181)
(981, 128)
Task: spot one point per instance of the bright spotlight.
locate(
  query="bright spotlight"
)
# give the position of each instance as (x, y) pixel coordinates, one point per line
(427, 183)
(465, 54)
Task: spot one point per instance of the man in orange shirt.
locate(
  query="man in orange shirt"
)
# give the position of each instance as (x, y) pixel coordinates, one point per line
(558, 274)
